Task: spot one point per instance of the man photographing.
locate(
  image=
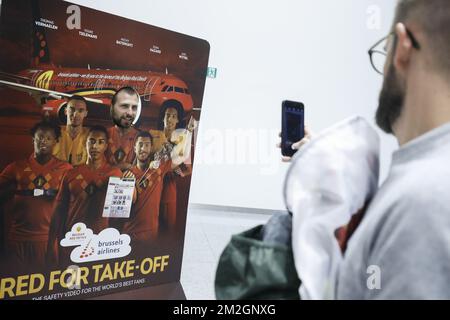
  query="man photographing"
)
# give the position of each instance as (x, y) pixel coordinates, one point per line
(403, 238)
(400, 250)
(406, 229)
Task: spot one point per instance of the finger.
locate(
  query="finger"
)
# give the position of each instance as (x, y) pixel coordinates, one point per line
(299, 144)
(286, 159)
(308, 132)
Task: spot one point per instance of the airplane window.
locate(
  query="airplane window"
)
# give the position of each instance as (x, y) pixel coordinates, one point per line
(180, 90)
(164, 89)
(170, 89)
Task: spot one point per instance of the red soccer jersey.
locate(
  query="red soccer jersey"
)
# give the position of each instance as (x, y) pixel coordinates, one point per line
(121, 148)
(168, 206)
(35, 187)
(144, 215)
(82, 196)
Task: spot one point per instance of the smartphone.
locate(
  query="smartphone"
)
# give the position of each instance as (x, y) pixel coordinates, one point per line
(292, 125)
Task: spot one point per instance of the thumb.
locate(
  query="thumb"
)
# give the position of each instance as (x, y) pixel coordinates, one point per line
(297, 145)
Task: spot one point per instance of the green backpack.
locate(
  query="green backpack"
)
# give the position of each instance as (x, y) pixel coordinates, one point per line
(250, 268)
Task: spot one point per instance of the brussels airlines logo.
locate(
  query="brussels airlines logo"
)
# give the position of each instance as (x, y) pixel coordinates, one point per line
(43, 81)
(88, 250)
(108, 244)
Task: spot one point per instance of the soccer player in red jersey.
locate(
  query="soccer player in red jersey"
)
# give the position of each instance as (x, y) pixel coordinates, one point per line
(172, 128)
(143, 222)
(82, 194)
(124, 109)
(34, 183)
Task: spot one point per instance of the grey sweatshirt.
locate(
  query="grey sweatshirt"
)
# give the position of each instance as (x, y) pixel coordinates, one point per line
(401, 249)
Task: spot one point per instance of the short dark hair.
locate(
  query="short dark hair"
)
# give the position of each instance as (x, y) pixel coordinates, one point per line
(77, 98)
(46, 124)
(99, 128)
(127, 89)
(433, 17)
(144, 134)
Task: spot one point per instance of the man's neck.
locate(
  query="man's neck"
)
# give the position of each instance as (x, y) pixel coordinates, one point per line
(143, 165)
(427, 106)
(42, 158)
(73, 131)
(96, 163)
(123, 131)
(168, 132)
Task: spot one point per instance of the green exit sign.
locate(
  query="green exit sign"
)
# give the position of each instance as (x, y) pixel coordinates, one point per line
(211, 73)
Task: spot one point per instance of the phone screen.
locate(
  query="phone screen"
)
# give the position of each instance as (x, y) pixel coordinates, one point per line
(293, 125)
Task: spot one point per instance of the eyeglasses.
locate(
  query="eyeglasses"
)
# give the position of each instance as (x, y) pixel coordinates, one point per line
(378, 52)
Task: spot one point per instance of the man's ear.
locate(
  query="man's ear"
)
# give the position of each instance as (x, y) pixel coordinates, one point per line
(403, 48)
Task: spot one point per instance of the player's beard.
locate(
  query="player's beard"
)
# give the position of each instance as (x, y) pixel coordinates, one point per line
(391, 100)
(145, 160)
(42, 153)
(117, 121)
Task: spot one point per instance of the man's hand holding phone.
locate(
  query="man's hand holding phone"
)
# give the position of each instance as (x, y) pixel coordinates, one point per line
(293, 131)
(296, 145)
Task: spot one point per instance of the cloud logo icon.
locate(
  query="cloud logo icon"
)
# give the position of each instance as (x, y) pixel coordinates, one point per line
(108, 244)
(78, 235)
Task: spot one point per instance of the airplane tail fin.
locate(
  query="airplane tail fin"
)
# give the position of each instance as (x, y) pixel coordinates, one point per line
(41, 53)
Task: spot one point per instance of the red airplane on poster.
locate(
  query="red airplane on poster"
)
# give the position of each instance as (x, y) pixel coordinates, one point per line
(50, 86)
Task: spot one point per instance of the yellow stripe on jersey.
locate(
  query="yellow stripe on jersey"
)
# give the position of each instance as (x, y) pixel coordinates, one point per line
(72, 151)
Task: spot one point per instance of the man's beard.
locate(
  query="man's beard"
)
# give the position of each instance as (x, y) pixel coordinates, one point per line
(146, 160)
(390, 103)
(117, 122)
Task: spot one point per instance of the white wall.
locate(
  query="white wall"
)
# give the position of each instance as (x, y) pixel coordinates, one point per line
(314, 51)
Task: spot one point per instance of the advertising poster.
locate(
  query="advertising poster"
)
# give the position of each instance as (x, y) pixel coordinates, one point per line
(98, 116)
